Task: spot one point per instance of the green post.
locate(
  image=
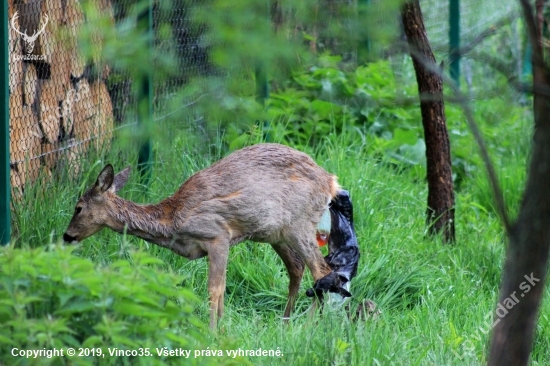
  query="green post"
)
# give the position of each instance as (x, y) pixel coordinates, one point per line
(454, 40)
(262, 84)
(145, 99)
(364, 46)
(262, 93)
(527, 69)
(5, 214)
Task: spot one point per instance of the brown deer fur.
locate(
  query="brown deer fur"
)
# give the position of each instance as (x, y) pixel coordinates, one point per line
(265, 193)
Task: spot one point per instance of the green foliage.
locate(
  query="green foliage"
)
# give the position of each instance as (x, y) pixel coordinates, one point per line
(381, 107)
(120, 44)
(51, 298)
(242, 33)
(326, 99)
(363, 125)
(367, 98)
(433, 298)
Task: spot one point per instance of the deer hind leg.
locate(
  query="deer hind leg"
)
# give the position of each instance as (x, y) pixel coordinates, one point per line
(307, 248)
(218, 254)
(295, 268)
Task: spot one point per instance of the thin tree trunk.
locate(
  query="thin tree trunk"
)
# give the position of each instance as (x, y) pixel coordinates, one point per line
(277, 15)
(440, 213)
(539, 8)
(529, 239)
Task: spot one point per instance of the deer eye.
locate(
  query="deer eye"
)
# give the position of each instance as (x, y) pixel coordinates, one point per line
(78, 210)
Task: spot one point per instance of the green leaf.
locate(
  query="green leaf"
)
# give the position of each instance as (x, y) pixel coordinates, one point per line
(93, 341)
(404, 137)
(341, 346)
(7, 340)
(79, 306)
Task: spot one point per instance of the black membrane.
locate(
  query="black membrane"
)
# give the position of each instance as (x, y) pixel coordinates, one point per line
(343, 256)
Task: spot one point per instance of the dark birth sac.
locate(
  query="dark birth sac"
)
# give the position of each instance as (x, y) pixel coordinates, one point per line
(343, 256)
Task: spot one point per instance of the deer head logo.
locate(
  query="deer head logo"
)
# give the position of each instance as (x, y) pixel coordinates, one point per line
(29, 39)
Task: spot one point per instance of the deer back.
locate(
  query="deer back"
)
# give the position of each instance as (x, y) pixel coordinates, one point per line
(262, 192)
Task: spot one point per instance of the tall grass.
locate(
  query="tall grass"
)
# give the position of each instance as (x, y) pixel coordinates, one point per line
(434, 298)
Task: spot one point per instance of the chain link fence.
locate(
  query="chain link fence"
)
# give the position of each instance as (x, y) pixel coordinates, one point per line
(479, 21)
(66, 103)
(475, 18)
(61, 104)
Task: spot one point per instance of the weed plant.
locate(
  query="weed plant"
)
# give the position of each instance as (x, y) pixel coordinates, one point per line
(435, 300)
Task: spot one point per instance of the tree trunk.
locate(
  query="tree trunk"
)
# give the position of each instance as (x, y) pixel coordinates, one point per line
(440, 213)
(529, 239)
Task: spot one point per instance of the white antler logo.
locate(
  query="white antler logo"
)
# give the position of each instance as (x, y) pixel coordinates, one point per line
(29, 40)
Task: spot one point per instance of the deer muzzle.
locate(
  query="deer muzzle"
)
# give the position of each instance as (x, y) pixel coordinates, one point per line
(69, 239)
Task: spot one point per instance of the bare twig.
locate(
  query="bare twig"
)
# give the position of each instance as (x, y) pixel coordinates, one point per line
(486, 34)
(504, 69)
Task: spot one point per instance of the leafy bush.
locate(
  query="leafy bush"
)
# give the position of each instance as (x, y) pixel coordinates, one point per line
(376, 106)
(369, 101)
(51, 298)
(369, 96)
(325, 99)
(376, 103)
(380, 107)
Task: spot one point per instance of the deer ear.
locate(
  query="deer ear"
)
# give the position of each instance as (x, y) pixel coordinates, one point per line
(121, 179)
(105, 179)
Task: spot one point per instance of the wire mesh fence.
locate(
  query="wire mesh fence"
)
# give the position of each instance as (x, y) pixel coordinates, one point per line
(67, 102)
(478, 21)
(475, 17)
(187, 42)
(59, 108)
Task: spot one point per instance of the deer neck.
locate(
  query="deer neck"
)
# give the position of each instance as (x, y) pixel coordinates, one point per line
(150, 222)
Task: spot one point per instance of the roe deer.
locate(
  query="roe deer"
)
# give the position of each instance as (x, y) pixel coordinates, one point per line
(266, 193)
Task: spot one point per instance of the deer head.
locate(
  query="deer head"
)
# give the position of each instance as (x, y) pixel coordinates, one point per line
(91, 211)
(29, 39)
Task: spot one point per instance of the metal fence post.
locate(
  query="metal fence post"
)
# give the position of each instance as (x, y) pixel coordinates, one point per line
(454, 40)
(145, 100)
(364, 45)
(5, 214)
(262, 94)
(527, 68)
(262, 84)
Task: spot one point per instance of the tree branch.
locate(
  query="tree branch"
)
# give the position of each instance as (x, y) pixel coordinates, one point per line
(486, 34)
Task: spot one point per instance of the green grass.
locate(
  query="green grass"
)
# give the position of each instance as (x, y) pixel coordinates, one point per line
(433, 298)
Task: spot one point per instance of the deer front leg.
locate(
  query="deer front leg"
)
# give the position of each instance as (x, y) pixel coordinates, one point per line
(217, 255)
(295, 268)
